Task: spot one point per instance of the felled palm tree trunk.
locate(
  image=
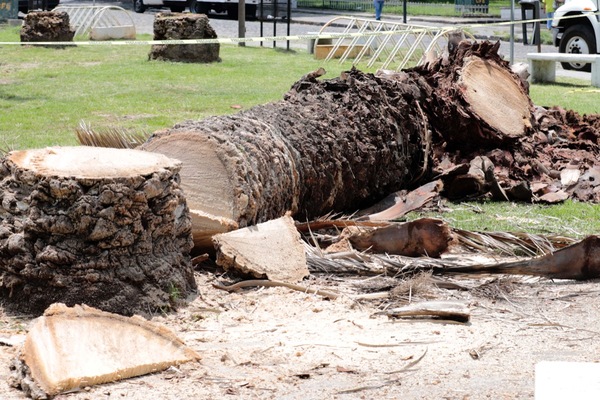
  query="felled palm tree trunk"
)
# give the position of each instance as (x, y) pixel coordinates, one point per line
(331, 145)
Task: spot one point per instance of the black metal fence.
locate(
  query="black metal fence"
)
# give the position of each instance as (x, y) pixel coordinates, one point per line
(425, 7)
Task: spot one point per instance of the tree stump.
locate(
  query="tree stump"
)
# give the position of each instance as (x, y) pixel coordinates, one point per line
(106, 227)
(47, 26)
(477, 101)
(173, 26)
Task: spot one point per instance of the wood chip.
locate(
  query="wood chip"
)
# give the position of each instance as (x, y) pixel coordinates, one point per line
(448, 310)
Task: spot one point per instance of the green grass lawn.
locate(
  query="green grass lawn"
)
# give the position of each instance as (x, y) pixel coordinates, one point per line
(46, 92)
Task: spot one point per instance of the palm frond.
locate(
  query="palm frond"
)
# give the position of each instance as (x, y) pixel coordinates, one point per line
(511, 243)
(365, 264)
(119, 138)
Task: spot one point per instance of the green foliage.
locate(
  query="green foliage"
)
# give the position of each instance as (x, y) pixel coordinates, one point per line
(174, 293)
(418, 7)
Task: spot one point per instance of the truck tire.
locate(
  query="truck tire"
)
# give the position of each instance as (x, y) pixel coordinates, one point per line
(139, 6)
(577, 39)
(199, 7)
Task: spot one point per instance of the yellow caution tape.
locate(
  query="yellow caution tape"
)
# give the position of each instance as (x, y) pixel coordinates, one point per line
(222, 40)
(331, 35)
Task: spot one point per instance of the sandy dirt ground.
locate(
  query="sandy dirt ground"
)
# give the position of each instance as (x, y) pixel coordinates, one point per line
(274, 343)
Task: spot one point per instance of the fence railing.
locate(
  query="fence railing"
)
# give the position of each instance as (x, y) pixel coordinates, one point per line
(382, 44)
(431, 7)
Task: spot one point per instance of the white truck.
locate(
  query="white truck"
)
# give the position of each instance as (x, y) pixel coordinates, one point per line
(580, 34)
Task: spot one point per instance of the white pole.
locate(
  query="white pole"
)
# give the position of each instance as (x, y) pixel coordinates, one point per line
(512, 32)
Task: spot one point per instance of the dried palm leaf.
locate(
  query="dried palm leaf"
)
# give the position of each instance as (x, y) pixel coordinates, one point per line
(336, 223)
(361, 263)
(5, 147)
(511, 243)
(580, 261)
(500, 243)
(118, 138)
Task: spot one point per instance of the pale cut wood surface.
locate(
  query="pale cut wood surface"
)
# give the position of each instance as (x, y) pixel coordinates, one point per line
(495, 96)
(76, 347)
(272, 249)
(91, 162)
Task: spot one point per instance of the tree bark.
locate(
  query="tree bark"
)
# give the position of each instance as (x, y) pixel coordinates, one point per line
(333, 145)
(174, 26)
(105, 227)
(46, 26)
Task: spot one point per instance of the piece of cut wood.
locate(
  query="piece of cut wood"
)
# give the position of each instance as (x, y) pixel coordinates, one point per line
(496, 97)
(70, 348)
(208, 185)
(424, 236)
(403, 204)
(448, 310)
(272, 249)
(206, 226)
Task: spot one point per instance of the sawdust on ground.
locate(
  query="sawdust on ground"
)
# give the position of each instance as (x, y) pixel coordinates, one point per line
(273, 343)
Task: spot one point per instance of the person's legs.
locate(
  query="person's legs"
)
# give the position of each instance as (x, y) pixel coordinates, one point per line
(378, 8)
(549, 15)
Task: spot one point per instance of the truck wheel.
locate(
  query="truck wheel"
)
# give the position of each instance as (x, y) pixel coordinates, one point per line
(139, 6)
(199, 7)
(577, 40)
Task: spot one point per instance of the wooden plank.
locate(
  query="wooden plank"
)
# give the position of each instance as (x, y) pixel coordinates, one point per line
(323, 50)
